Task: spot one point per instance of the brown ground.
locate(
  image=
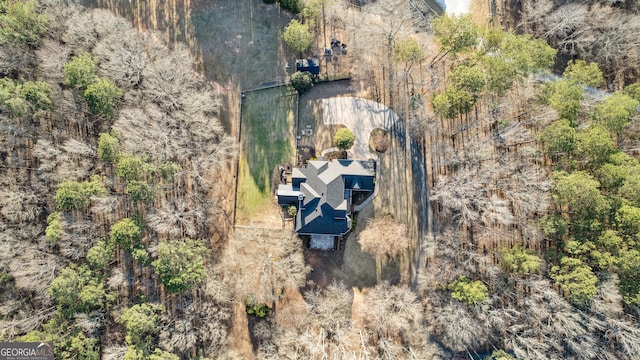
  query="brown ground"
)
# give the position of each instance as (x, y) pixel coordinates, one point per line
(241, 345)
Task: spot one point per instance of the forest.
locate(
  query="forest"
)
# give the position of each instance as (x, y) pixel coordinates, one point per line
(519, 135)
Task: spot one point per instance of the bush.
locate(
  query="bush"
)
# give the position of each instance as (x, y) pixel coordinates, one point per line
(260, 310)
(344, 139)
(301, 81)
(293, 6)
(292, 211)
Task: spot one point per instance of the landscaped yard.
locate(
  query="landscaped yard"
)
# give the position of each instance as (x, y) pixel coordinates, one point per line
(267, 139)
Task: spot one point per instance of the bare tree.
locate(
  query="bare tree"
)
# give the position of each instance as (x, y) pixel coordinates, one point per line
(122, 57)
(384, 238)
(84, 28)
(51, 57)
(114, 352)
(458, 326)
(19, 207)
(494, 192)
(392, 317)
(260, 263)
(196, 323)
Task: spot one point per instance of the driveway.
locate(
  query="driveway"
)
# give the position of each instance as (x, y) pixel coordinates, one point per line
(360, 116)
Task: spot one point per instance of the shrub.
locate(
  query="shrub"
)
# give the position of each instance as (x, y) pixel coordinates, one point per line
(259, 310)
(292, 211)
(344, 139)
(301, 81)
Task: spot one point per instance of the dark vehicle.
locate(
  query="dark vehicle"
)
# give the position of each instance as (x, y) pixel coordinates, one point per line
(311, 66)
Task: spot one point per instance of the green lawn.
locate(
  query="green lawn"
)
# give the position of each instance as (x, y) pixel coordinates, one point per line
(267, 139)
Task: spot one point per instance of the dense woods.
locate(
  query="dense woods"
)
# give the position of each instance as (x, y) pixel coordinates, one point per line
(114, 234)
(109, 144)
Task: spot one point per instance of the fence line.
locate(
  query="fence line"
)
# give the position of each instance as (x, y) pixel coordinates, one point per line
(270, 85)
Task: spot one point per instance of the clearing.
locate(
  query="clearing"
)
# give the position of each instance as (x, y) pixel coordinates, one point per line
(266, 140)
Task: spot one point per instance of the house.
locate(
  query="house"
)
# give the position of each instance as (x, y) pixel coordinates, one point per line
(322, 192)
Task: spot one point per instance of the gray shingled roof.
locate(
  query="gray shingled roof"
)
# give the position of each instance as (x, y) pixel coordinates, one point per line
(324, 209)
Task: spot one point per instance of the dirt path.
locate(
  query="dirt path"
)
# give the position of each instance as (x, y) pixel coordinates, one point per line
(241, 341)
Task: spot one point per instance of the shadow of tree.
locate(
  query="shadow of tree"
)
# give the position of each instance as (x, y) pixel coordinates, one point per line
(267, 132)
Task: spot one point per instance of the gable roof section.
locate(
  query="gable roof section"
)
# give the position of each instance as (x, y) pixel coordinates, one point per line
(324, 209)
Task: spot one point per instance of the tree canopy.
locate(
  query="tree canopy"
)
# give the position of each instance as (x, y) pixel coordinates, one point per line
(141, 323)
(518, 260)
(577, 279)
(583, 73)
(80, 71)
(615, 112)
(468, 291)
(455, 33)
(298, 36)
(301, 81)
(125, 233)
(180, 264)
(21, 23)
(559, 138)
(76, 289)
(408, 50)
(108, 147)
(102, 96)
(74, 195)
